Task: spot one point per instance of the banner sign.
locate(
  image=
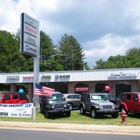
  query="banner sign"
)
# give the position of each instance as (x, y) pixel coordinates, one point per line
(16, 110)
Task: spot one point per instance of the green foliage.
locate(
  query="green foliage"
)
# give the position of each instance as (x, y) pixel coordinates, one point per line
(71, 53)
(69, 56)
(48, 54)
(10, 57)
(130, 60)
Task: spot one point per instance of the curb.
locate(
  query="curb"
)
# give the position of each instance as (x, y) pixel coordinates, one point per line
(90, 128)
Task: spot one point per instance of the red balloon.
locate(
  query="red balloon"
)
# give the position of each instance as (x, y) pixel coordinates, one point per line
(107, 88)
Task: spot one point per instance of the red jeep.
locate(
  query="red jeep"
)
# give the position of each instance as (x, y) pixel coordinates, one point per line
(13, 98)
(130, 102)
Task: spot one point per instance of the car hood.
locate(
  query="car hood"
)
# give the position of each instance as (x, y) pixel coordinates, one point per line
(101, 102)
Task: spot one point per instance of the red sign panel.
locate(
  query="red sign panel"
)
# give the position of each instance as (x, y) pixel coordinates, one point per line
(81, 89)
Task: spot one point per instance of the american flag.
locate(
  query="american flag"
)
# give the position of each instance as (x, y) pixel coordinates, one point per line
(43, 91)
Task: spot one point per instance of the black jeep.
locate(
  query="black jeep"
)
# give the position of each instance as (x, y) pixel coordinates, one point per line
(55, 104)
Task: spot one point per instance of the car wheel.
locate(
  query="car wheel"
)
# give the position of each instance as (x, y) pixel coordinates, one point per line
(93, 113)
(82, 110)
(47, 115)
(71, 106)
(115, 115)
(68, 114)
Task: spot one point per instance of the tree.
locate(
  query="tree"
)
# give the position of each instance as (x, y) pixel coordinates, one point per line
(48, 54)
(11, 59)
(71, 53)
(133, 52)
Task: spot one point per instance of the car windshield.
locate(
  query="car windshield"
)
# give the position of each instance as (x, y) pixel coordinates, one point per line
(99, 97)
(55, 97)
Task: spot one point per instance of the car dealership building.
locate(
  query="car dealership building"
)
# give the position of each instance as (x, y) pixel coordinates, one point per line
(119, 80)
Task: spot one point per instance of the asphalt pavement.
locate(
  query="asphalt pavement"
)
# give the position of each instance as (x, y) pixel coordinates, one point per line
(65, 127)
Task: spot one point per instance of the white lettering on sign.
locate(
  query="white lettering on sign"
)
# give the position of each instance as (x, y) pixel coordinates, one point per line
(122, 75)
(12, 77)
(16, 110)
(81, 89)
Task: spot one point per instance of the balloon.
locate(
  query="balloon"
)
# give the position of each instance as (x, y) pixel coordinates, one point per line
(21, 91)
(107, 88)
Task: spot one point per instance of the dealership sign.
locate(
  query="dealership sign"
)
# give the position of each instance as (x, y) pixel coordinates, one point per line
(81, 89)
(121, 75)
(29, 35)
(16, 110)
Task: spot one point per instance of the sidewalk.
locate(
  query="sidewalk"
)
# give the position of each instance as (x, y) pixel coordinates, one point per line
(87, 128)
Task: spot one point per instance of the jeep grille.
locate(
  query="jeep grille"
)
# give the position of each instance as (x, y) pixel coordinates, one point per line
(107, 107)
(59, 106)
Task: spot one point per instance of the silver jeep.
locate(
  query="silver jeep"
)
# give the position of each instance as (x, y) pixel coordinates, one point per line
(98, 103)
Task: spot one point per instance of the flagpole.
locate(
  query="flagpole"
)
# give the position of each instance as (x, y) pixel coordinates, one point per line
(36, 78)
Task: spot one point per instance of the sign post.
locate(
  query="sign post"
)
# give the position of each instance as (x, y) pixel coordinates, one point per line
(30, 45)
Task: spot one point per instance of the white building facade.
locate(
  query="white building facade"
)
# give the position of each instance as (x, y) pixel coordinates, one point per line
(77, 81)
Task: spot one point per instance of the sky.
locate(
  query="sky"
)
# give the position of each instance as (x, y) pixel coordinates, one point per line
(103, 28)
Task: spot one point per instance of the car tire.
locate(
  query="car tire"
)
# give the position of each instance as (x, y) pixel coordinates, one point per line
(71, 105)
(47, 114)
(82, 110)
(115, 115)
(68, 114)
(93, 113)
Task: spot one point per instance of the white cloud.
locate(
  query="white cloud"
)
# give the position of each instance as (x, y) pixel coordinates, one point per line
(103, 28)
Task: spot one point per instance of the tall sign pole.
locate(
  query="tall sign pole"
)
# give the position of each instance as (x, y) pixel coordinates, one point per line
(30, 45)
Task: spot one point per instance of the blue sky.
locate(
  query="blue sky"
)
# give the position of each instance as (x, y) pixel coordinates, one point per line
(103, 28)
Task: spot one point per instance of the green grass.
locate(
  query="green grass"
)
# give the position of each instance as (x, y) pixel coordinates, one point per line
(76, 118)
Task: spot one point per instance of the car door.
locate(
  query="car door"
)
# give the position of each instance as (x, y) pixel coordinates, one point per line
(76, 100)
(6, 99)
(14, 99)
(135, 103)
(88, 103)
(129, 102)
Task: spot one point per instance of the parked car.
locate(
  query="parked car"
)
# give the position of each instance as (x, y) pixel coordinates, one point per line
(112, 98)
(73, 99)
(54, 105)
(13, 98)
(130, 102)
(98, 103)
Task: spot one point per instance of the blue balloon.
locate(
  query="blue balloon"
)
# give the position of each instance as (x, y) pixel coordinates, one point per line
(21, 91)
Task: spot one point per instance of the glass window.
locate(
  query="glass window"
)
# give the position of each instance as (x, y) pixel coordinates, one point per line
(112, 97)
(135, 97)
(55, 97)
(23, 96)
(83, 97)
(99, 97)
(6, 97)
(128, 97)
(15, 96)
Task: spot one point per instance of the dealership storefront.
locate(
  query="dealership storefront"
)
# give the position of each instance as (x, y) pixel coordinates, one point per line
(119, 80)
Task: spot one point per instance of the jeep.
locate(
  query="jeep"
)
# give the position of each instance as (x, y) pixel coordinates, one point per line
(13, 98)
(130, 102)
(98, 103)
(54, 105)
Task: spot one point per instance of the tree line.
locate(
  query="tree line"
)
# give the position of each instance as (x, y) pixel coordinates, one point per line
(67, 55)
(131, 59)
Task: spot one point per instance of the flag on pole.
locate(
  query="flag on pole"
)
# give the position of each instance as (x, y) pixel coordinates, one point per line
(43, 91)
